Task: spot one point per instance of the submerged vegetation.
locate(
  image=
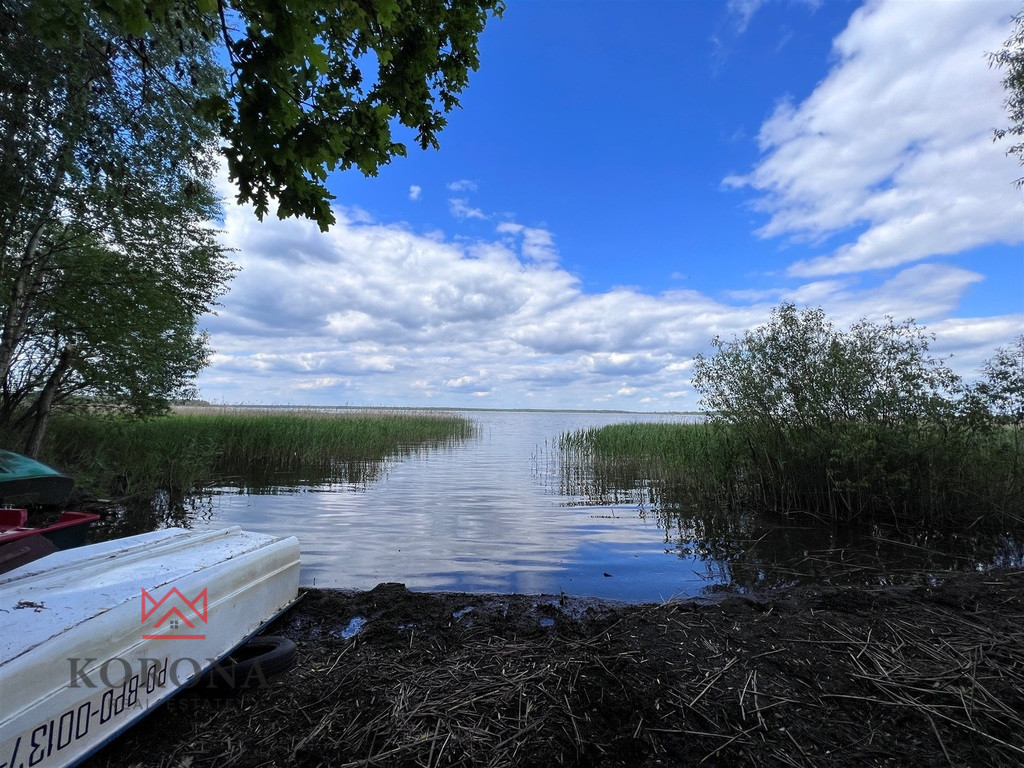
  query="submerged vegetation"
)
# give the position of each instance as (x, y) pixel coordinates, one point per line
(842, 427)
(202, 446)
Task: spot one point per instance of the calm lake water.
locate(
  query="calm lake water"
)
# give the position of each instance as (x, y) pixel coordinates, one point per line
(499, 513)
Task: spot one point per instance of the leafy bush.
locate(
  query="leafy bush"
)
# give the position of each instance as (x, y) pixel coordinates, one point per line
(862, 423)
(1001, 389)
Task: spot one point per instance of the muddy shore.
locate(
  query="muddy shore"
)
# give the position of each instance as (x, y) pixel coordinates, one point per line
(927, 675)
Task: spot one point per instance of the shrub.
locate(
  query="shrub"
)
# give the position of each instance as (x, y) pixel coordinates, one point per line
(1001, 389)
(849, 425)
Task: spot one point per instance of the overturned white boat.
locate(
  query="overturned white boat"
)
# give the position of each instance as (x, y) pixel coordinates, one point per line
(93, 638)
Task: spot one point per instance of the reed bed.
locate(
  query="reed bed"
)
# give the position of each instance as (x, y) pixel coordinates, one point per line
(833, 677)
(196, 447)
(695, 459)
(918, 475)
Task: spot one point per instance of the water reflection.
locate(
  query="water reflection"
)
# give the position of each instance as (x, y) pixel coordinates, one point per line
(168, 510)
(505, 512)
(756, 552)
(348, 475)
(165, 511)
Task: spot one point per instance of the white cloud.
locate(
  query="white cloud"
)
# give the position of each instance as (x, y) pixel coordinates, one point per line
(538, 245)
(893, 147)
(462, 185)
(896, 141)
(322, 382)
(463, 382)
(461, 209)
(372, 313)
(415, 191)
(743, 11)
(509, 228)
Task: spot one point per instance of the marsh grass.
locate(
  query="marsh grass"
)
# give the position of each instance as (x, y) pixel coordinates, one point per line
(695, 455)
(193, 448)
(854, 474)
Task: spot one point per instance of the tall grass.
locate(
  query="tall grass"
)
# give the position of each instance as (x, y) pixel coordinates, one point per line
(920, 475)
(192, 448)
(691, 458)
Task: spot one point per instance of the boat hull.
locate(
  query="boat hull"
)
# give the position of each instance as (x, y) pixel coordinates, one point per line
(27, 482)
(92, 639)
(20, 544)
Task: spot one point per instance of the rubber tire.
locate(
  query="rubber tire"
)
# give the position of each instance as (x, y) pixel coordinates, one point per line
(251, 665)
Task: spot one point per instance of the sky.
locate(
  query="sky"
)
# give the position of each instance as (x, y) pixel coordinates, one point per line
(626, 180)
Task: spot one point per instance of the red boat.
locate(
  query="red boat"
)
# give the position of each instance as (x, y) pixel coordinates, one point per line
(20, 544)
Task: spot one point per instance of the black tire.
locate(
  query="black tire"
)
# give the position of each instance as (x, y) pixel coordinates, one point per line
(250, 665)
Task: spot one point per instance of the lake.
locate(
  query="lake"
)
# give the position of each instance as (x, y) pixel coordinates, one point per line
(500, 513)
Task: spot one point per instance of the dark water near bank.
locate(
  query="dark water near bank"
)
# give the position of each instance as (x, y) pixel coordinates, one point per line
(500, 513)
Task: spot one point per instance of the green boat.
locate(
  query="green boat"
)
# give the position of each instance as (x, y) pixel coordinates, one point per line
(25, 482)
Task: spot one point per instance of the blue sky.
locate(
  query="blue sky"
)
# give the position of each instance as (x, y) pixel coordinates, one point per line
(627, 179)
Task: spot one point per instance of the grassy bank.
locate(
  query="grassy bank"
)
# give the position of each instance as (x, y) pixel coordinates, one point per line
(856, 472)
(197, 447)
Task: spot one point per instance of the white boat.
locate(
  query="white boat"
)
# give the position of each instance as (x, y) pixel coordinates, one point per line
(93, 638)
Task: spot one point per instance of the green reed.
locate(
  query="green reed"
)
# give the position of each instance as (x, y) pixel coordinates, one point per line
(691, 458)
(196, 447)
(921, 475)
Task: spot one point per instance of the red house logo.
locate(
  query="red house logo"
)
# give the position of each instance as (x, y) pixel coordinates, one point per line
(170, 612)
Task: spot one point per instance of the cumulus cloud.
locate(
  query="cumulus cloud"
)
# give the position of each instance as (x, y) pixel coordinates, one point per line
(509, 228)
(896, 141)
(375, 313)
(321, 382)
(536, 244)
(415, 191)
(461, 209)
(892, 150)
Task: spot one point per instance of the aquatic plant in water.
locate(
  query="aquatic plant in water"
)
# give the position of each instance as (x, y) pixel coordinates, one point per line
(196, 447)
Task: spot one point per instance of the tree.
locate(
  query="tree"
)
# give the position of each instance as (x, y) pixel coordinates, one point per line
(121, 332)
(298, 102)
(107, 259)
(1001, 387)
(1011, 58)
(799, 370)
(110, 120)
(839, 424)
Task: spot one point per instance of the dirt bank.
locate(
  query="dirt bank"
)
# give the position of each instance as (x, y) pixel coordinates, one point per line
(921, 676)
